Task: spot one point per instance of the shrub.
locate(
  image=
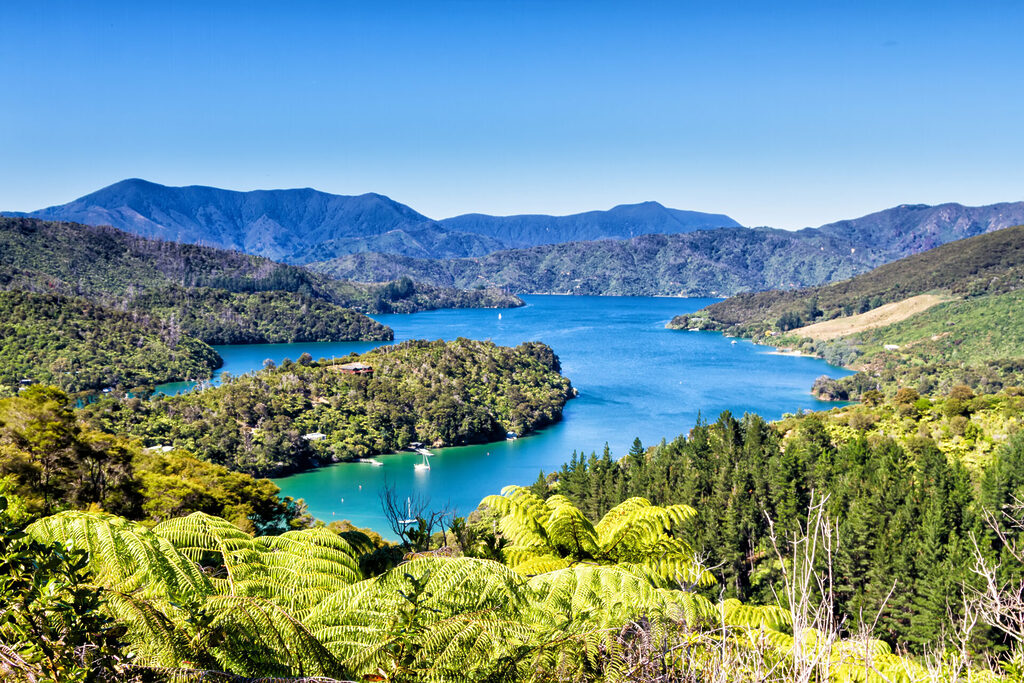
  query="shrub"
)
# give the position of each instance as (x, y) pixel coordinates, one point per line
(906, 395)
(961, 392)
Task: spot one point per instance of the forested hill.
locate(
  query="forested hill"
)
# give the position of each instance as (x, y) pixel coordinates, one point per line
(81, 347)
(991, 263)
(703, 263)
(302, 225)
(439, 393)
(110, 265)
(913, 228)
(952, 315)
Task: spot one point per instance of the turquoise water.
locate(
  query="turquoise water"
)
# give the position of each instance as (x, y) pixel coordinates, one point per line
(635, 378)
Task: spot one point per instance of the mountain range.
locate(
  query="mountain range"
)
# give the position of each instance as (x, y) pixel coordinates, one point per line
(303, 225)
(718, 262)
(637, 249)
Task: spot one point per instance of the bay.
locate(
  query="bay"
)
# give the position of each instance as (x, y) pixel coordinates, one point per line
(635, 378)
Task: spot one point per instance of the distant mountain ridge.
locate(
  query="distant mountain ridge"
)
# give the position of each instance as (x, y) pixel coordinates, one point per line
(721, 262)
(276, 224)
(913, 228)
(303, 225)
(620, 222)
(636, 249)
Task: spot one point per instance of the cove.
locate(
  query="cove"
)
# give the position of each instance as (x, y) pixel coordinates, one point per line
(635, 378)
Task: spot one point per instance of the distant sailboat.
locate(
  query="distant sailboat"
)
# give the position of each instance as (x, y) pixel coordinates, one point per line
(409, 519)
(499, 316)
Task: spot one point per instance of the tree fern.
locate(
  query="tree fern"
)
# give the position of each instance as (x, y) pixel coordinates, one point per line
(232, 556)
(638, 536)
(581, 602)
(438, 616)
(125, 556)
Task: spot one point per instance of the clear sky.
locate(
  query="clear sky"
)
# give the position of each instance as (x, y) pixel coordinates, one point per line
(777, 113)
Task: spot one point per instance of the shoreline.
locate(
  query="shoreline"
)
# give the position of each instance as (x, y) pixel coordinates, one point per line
(792, 352)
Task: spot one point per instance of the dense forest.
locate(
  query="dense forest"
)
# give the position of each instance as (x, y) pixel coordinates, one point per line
(906, 482)
(79, 346)
(439, 393)
(51, 460)
(218, 316)
(214, 295)
(705, 263)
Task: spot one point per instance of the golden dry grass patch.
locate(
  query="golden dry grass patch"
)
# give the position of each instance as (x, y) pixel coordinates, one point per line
(882, 316)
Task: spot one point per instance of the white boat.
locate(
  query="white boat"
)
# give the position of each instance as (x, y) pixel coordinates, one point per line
(499, 316)
(425, 465)
(409, 519)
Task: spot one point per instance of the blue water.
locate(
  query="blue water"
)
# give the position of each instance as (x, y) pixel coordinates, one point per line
(635, 378)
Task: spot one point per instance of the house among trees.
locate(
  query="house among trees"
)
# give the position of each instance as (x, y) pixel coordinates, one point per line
(356, 369)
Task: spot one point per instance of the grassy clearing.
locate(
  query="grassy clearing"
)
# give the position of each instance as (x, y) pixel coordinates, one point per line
(878, 317)
(966, 331)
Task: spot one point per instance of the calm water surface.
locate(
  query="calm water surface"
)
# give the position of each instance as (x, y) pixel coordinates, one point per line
(635, 378)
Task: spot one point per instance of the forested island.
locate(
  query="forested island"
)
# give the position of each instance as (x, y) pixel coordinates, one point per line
(438, 393)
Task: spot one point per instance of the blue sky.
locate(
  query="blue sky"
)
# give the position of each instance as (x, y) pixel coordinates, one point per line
(783, 114)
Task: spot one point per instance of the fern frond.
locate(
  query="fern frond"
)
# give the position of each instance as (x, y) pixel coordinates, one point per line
(304, 567)
(218, 544)
(125, 556)
(736, 613)
(569, 530)
(256, 637)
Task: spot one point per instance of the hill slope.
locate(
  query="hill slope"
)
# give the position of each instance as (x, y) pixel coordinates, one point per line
(79, 346)
(990, 263)
(108, 264)
(947, 316)
(302, 225)
(272, 223)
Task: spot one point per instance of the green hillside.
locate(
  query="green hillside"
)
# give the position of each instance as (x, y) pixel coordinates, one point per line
(986, 264)
(79, 346)
(975, 339)
(218, 316)
(108, 264)
(703, 263)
